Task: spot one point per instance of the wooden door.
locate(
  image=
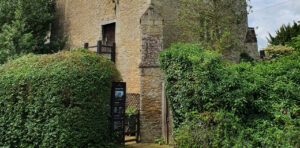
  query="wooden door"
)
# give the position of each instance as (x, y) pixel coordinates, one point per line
(109, 34)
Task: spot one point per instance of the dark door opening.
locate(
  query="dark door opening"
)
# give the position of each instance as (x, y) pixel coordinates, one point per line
(108, 41)
(108, 32)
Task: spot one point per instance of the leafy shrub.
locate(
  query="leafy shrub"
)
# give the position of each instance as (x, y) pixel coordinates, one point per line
(180, 64)
(277, 51)
(160, 141)
(130, 111)
(58, 100)
(250, 104)
(208, 129)
(295, 43)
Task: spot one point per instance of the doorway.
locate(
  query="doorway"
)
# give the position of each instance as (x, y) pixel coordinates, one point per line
(108, 34)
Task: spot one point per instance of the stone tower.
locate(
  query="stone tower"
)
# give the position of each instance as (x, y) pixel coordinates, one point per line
(140, 29)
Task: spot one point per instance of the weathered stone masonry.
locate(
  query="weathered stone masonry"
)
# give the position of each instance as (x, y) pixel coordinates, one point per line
(151, 76)
(82, 21)
(143, 28)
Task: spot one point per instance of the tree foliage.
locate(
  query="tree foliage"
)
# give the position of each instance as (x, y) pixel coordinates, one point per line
(56, 100)
(24, 27)
(214, 23)
(295, 43)
(216, 104)
(285, 34)
(15, 40)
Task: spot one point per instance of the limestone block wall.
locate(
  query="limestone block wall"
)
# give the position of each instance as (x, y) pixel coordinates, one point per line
(151, 76)
(151, 111)
(82, 20)
(128, 41)
(158, 32)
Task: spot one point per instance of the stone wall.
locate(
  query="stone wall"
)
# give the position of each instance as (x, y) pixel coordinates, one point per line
(251, 46)
(158, 33)
(239, 32)
(128, 41)
(151, 76)
(81, 21)
(143, 29)
(168, 11)
(245, 36)
(150, 114)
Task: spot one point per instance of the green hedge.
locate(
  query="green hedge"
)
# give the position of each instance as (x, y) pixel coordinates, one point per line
(59, 100)
(249, 104)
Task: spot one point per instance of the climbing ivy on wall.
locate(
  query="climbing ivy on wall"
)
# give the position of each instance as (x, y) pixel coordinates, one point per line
(212, 23)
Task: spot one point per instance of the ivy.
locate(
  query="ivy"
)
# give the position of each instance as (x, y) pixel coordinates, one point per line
(212, 23)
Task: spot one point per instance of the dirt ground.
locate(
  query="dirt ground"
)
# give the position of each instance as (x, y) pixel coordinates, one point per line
(144, 145)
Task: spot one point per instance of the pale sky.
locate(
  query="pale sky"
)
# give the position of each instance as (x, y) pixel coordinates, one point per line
(269, 15)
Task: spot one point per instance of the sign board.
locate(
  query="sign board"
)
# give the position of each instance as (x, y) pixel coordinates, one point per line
(117, 103)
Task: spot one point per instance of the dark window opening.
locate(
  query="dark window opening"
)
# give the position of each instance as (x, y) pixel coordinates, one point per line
(108, 32)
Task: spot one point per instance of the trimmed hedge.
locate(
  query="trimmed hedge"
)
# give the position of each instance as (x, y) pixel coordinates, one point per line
(59, 100)
(216, 104)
